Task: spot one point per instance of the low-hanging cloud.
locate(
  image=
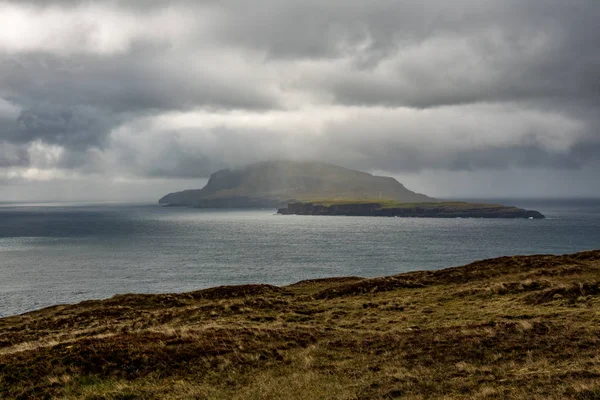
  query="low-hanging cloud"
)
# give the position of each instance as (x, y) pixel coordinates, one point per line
(149, 90)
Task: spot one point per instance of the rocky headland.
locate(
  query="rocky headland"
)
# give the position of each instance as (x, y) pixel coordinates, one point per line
(419, 210)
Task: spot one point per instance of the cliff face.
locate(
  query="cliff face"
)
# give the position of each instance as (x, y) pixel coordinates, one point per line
(275, 183)
(424, 210)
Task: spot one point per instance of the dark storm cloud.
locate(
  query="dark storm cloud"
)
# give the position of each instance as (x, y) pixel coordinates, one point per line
(12, 156)
(145, 78)
(75, 101)
(484, 52)
(410, 86)
(76, 128)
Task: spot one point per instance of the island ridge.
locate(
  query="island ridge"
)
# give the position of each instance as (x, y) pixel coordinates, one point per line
(315, 188)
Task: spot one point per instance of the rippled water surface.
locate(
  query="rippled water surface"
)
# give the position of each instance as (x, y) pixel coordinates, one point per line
(53, 254)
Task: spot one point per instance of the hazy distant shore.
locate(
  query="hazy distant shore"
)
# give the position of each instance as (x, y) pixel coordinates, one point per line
(375, 208)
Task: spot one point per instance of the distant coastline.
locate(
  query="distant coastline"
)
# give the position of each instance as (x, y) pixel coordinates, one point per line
(414, 210)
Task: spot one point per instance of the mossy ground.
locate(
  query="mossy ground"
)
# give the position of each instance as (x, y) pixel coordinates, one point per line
(513, 327)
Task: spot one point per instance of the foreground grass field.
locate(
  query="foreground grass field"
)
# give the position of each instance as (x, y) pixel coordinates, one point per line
(512, 327)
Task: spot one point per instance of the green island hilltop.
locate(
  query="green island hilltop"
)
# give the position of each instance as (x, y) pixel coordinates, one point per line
(316, 188)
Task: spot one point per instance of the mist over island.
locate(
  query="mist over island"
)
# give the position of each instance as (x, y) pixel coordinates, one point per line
(275, 183)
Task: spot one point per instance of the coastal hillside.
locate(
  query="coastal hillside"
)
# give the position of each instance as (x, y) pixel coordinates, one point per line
(275, 183)
(523, 327)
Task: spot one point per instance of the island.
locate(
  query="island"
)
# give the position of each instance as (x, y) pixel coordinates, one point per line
(516, 327)
(272, 184)
(317, 188)
(416, 210)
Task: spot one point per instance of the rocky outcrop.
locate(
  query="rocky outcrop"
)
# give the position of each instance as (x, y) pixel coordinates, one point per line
(431, 210)
(365, 209)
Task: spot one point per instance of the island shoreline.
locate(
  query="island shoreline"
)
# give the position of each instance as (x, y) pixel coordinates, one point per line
(408, 210)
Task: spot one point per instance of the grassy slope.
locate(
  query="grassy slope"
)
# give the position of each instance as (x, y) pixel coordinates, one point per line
(513, 327)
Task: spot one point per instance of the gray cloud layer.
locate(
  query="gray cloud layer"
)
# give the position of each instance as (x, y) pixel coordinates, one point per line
(177, 89)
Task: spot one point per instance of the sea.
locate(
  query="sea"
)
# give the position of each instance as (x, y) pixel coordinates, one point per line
(66, 253)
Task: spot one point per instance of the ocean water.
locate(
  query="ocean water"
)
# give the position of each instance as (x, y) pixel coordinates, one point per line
(54, 253)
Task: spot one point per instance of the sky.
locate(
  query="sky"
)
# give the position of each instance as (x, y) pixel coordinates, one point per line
(129, 100)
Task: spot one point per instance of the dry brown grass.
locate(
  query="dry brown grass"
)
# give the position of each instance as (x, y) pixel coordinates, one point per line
(512, 327)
